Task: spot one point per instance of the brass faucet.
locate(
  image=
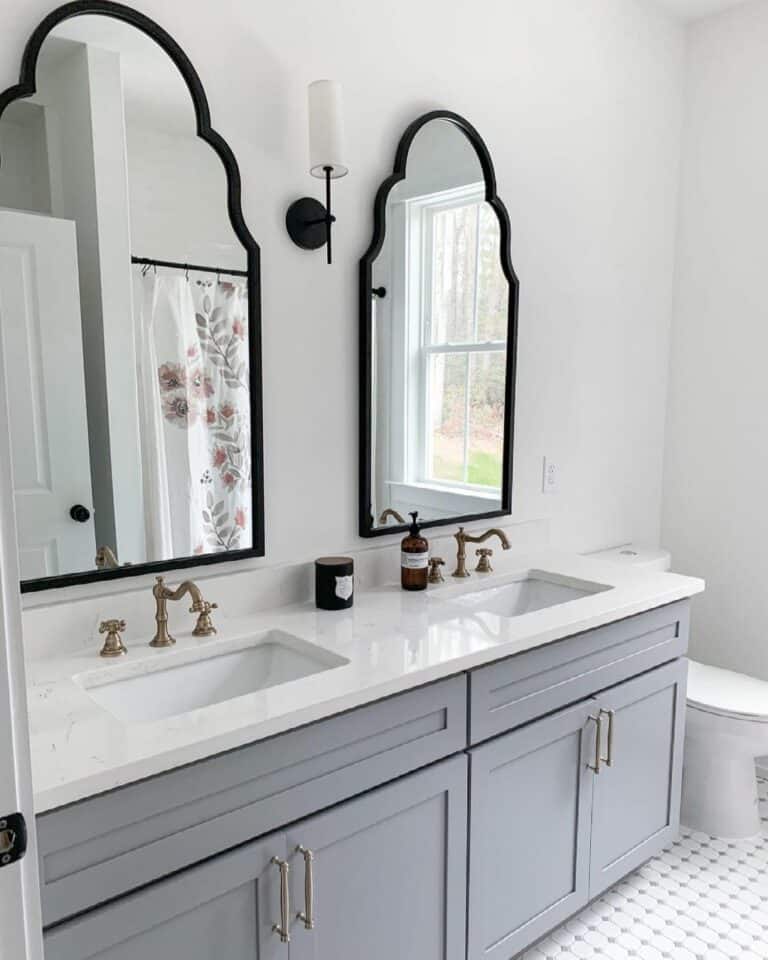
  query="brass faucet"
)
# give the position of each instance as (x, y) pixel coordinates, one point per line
(462, 539)
(105, 559)
(162, 594)
(390, 512)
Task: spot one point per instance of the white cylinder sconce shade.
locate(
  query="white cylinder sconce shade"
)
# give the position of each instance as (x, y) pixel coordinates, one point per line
(326, 129)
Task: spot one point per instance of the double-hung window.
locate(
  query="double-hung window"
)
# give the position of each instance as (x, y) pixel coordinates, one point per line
(456, 333)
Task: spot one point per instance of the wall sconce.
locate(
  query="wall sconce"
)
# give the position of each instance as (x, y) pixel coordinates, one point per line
(307, 220)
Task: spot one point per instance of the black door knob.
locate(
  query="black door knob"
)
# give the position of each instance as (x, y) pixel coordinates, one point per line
(80, 513)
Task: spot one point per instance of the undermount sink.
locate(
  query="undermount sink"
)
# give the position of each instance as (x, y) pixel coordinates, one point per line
(232, 670)
(534, 590)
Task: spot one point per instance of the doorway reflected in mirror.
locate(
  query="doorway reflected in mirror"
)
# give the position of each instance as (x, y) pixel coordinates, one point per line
(131, 279)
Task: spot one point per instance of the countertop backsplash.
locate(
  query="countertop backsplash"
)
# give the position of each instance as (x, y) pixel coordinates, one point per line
(69, 619)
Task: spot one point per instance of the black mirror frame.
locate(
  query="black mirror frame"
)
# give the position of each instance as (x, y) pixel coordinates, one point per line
(366, 518)
(26, 88)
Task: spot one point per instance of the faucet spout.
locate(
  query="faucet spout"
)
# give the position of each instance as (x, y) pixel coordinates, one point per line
(203, 627)
(187, 587)
(462, 539)
(390, 512)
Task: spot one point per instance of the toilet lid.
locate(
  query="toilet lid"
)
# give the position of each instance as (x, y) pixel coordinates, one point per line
(726, 692)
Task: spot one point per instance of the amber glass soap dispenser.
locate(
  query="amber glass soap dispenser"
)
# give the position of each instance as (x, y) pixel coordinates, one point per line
(414, 558)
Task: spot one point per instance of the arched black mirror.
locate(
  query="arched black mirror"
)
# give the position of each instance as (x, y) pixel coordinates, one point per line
(129, 308)
(438, 312)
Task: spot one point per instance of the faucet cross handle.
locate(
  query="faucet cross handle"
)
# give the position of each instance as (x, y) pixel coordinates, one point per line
(204, 626)
(435, 574)
(484, 563)
(113, 645)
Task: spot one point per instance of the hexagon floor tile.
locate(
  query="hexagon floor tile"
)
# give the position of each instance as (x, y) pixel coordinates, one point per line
(702, 899)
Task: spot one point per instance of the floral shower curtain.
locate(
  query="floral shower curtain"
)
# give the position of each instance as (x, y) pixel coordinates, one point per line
(194, 410)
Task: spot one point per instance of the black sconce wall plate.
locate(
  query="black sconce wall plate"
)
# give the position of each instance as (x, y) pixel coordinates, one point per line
(309, 222)
(305, 222)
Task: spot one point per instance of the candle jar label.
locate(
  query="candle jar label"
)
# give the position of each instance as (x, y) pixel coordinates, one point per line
(344, 587)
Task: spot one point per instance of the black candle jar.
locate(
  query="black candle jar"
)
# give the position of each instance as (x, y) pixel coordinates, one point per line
(334, 583)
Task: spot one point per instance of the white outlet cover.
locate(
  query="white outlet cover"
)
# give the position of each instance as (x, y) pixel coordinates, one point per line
(550, 476)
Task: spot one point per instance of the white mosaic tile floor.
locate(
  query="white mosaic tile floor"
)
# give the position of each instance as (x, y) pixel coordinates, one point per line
(702, 899)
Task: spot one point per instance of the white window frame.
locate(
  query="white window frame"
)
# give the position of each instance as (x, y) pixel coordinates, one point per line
(419, 217)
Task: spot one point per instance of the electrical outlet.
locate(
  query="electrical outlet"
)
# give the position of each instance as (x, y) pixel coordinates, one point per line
(550, 477)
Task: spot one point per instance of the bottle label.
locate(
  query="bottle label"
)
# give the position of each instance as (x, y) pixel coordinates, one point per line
(414, 561)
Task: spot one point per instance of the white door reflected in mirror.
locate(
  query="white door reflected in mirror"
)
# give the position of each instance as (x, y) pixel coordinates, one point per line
(40, 310)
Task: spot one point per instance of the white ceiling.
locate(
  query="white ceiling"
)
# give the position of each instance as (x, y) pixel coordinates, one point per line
(695, 9)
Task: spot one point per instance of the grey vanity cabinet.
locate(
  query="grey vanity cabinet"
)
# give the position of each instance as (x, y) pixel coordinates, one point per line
(557, 772)
(552, 827)
(224, 908)
(531, 798)
(636, 802)
(389, 880)
(389, 872)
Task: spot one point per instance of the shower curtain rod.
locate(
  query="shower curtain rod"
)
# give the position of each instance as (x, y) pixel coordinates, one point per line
(146, 261)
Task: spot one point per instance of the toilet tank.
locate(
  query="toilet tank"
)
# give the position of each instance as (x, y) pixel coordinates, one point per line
(644, 558)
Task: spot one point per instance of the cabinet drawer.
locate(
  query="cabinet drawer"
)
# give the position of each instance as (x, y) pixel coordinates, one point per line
(514, 691)
(100, 848)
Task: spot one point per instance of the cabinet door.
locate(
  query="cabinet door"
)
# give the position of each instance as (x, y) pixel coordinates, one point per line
(636, 805)
(389, 872)
(531, 793)
(224, 908)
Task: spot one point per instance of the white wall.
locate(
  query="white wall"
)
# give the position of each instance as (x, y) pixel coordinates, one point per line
(714, 518)
(580, 106)
(24, 183)
(81, 90)
(178, 198)
(117, 317)
(64, 91)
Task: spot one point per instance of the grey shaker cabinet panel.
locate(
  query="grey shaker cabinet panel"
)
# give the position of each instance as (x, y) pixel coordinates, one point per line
(551, 828)
(514, 691)
(531, 797)
(389, 882)
(636, 801)
(389, 872)
(224, 908)
(101, 848)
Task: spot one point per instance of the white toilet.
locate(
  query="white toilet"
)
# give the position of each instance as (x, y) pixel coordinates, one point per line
(726, 731)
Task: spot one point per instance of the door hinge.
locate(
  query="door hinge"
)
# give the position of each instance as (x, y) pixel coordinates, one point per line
(13, 838)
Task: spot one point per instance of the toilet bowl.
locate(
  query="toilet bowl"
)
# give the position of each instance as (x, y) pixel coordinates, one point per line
(726, 731)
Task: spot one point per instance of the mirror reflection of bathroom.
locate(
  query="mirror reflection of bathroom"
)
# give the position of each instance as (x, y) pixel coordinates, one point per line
(514, 258)
(130, 374)
(440, 319)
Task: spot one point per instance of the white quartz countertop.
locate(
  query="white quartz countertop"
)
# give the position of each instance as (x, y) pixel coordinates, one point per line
(393, 640)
